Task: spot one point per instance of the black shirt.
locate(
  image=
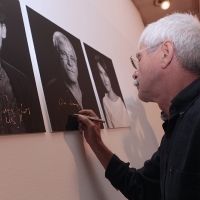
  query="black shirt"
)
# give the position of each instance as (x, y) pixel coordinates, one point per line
(173, 172)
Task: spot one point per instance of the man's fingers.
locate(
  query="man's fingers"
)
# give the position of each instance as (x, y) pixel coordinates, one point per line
(88, 112)
(81, 126)
(85, 121)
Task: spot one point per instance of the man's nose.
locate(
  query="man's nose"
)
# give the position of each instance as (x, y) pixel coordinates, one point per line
(135, 75)
(69, 62)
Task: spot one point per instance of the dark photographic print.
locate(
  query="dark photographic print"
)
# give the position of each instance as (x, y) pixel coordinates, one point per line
(65, 78)
(108, 89)
(20, 110)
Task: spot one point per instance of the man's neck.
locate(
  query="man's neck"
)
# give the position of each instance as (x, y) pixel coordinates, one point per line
(174, 89)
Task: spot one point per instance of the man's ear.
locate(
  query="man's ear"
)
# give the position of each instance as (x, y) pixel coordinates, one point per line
(4, 31)
(167, 53)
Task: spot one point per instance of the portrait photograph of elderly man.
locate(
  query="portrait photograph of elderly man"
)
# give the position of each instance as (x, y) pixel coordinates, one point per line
(20, 110)
(64, 73)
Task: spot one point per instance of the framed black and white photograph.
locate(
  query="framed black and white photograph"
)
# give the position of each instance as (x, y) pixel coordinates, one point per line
(108, 88)
(20, 110)
(64, 73)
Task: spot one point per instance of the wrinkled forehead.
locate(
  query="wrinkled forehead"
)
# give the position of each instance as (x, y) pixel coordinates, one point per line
(66, 47)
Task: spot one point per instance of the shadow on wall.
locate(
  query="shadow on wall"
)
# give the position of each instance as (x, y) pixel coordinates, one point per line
(87, 179)
(142, 143)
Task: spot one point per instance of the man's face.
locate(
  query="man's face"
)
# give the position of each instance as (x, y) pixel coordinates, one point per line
(148, 76)
(68, 61)
(2, 33)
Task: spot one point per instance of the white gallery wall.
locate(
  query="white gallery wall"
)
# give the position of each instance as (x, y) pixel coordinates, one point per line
(60, 165)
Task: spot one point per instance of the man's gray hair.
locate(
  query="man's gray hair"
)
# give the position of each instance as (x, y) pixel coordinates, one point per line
(59, 38)
(183, 29)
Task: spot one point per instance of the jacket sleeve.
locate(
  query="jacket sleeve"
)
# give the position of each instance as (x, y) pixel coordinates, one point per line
(141, 184)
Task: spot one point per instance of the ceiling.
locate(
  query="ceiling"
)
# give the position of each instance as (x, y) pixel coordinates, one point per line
(150, 13)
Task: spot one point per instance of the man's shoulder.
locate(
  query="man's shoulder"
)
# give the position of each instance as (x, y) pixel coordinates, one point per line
(55, 87)
(53, 83)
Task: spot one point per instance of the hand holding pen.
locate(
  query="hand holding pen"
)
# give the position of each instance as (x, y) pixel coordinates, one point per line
(91, 131)
(92, 118)
(89, 126)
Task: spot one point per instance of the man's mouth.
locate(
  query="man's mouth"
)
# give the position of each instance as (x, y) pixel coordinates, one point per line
(70, 71)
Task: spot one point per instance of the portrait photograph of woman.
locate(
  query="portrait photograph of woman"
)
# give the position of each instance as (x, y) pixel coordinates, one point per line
(108, 89)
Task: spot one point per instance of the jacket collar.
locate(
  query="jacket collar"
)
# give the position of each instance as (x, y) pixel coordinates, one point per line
(185, 99)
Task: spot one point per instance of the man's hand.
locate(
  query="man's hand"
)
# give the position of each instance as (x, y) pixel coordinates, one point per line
(91, 131)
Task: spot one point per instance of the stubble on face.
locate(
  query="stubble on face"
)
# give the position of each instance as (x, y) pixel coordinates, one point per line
(147, 78)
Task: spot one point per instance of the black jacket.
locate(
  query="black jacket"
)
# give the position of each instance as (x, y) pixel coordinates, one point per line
(173, 172)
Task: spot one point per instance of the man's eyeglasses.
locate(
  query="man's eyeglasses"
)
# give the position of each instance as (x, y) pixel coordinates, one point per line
(65, 56)
(134, 62)
(135, 59)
